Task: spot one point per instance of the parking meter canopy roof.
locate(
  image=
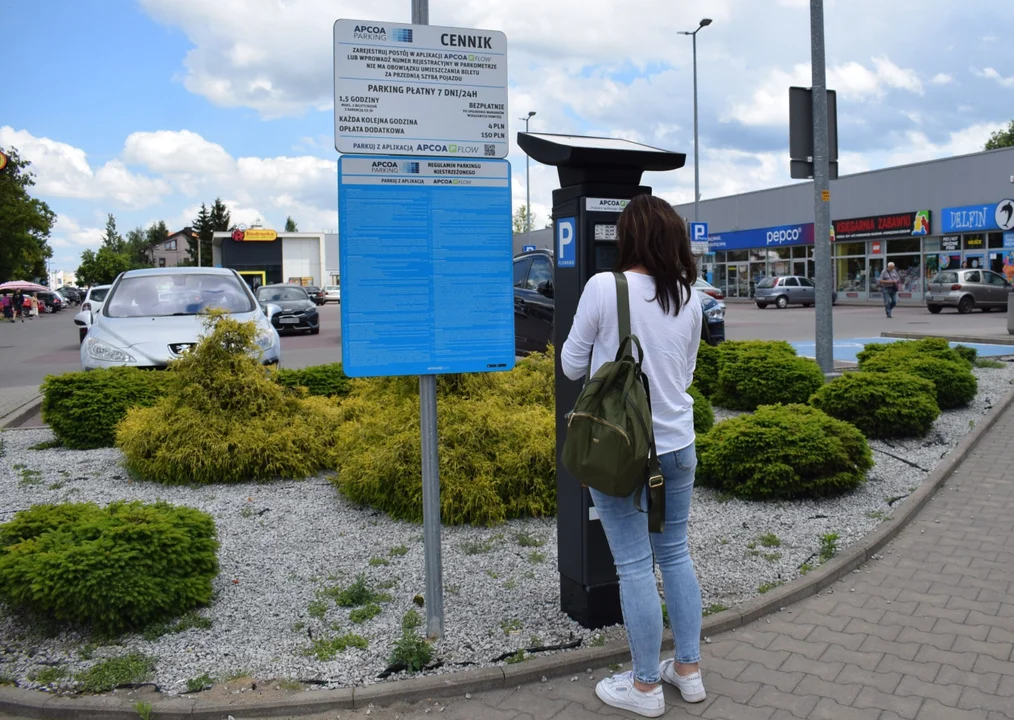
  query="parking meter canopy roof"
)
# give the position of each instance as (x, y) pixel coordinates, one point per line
(593, 159)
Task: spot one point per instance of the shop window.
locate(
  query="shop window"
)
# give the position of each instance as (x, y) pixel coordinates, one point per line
(851, 274)
(849, 248)
(782, 253)
(931, 245)
(908, 245)
(995, 241)
(801, 253)
(975, 242)
(738, 256)
(909, 267)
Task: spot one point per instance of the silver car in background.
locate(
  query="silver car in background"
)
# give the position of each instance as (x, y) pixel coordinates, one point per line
(151, 317)
(787, 290)
(967, 290)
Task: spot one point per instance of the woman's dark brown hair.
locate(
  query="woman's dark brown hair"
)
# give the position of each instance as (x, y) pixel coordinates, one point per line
(650, 234)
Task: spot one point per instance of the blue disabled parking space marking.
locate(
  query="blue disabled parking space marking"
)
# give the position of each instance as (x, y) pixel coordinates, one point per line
(847, 349)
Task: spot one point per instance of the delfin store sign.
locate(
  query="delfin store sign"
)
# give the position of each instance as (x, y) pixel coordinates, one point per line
(777, 236)
(986, 216)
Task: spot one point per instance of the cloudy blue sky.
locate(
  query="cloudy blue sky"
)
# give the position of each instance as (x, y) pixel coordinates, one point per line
(146, 108)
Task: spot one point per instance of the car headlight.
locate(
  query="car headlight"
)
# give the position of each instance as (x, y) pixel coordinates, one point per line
(265, 340)
(716, 313)
(99, 350)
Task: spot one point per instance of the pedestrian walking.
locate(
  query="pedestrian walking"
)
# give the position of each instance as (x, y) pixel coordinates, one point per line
(666, 317)
(33, 307)
(17, 305)
(5, 307)
(890, 281)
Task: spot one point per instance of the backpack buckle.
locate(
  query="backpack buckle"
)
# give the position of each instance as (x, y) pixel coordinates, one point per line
(655, 481)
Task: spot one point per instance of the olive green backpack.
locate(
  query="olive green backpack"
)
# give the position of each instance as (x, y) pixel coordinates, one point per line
(610, 444)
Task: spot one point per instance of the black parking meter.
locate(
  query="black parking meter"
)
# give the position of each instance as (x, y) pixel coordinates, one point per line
(598, 177)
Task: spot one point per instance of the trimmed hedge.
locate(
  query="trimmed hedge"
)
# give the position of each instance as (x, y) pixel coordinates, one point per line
(704, 415)
(955, 384)
(881, 405)
(497, 445)
(706, 371)
(752, 374)
(783, 452)
(116, 568)
(223, 419)
(926, 347)
(320, 380)
(83, 408)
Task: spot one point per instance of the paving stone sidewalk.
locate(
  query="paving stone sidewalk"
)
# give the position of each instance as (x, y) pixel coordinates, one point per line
(13, 399)
(924, 633)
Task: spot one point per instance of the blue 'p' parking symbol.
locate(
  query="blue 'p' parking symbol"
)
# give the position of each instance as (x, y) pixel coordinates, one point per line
(566, 247)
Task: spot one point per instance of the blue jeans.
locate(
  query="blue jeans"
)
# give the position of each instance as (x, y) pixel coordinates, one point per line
(890, 298)
(632, 545)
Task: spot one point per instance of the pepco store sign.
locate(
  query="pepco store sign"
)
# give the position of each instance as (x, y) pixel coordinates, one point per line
(916, 222)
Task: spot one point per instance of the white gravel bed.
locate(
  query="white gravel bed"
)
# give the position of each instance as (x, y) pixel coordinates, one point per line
(283, 542)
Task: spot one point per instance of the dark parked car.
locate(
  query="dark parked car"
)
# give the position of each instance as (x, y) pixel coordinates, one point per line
(534, 304)
(73, 296)
(788, 290)
(51, 301)
(315, 294)
(967, 290)
(299, 313)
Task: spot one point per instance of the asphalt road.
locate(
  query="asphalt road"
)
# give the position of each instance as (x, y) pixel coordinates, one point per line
(48, 344)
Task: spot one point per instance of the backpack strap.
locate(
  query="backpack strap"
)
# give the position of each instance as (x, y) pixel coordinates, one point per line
(655, 483)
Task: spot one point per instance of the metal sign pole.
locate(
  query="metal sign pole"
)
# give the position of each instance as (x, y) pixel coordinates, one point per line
(430, 463)
(821, 193)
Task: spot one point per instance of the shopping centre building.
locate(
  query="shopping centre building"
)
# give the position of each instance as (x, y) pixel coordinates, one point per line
(923, 217)
(263, 256)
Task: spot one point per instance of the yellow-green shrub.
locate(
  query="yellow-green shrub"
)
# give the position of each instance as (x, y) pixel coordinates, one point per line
(783, 452)
(321, 380)
(224, 420)
(115, 568)
(497, 445)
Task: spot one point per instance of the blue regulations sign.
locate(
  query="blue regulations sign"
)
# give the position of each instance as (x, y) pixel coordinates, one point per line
(426, 262)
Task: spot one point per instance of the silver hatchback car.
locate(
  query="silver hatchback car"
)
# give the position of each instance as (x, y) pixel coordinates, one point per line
(150, 317)
(967, 290)
(787, 290)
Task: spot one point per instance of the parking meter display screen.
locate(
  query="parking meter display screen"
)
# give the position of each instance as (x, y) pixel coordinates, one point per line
(605, 256)
(605, 232)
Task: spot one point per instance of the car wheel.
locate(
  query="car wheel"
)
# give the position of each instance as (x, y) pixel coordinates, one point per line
(966, 305)
(935, 309)
(782, 302)
(762, 305)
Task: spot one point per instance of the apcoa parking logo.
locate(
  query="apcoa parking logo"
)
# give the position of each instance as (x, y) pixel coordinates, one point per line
(387, 167)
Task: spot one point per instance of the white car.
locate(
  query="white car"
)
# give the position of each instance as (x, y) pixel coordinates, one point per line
(151, 317)
(332, 293)
(90, 306)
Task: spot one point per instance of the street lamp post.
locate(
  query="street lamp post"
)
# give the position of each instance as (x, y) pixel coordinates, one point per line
(697, 165)
(528, 187)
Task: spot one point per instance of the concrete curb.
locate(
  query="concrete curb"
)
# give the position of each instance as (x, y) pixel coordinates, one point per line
(33, 704)
(19, 415)
(977, 339)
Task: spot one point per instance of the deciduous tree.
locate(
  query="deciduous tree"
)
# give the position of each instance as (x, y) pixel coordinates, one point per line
(1001, 138)
(25, 223)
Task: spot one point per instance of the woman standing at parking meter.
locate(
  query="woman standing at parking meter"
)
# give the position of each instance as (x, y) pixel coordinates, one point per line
(666, 317)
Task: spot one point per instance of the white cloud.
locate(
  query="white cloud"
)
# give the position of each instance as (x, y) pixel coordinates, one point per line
(68, 234)
(942, 79)
(769, 104)
(183, 152)
(63, 171)
(992, 74)
(919, 147)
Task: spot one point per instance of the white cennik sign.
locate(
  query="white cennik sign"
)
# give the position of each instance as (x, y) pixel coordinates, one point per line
(419, 90)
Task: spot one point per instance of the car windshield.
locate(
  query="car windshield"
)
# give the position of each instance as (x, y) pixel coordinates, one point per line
(184, 294)
(273, 294)
(331, 288)
(98, 294)
(767, 282)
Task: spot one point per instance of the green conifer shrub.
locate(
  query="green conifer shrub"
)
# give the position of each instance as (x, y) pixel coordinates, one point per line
(881, 405)
(115, 568)
(783, 452)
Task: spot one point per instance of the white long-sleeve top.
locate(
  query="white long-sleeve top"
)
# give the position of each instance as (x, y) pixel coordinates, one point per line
(670, 345)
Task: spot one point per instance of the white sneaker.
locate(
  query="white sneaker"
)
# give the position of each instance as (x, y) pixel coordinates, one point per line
(619, 692)
(691, 687)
